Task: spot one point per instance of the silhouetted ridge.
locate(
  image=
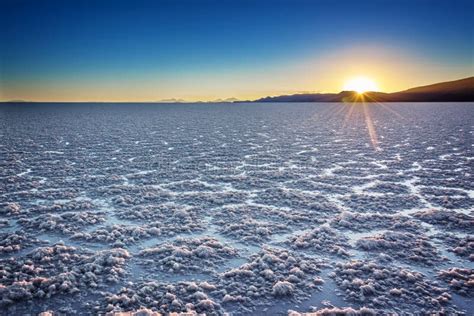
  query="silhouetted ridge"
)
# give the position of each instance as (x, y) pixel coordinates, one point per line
(452, 91)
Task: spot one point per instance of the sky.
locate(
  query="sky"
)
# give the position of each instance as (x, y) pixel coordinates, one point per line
(204, 50)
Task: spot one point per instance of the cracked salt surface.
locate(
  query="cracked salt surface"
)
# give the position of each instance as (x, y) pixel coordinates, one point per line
(262, 209)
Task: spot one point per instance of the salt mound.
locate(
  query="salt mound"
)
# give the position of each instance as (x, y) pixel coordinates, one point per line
(449, 219)
(164, 298)
(461, 246)
(369, 221)
(392, 289)
(65, 223)
(249, 230)
(140, 312)
(322, 239)
(402, 246)
(459, 279)
(15, 241)
(187, 255)
(271, 273)
(58, 269)
(336, 311)
(282, 288)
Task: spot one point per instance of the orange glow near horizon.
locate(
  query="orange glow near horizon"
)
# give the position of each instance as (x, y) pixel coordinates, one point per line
(385, 69)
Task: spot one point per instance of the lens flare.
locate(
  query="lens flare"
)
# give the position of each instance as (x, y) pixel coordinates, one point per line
(360, 85)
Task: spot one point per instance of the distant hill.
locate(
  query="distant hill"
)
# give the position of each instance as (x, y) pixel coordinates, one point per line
(172, 100)
(228, 100)
(16, 101)
(452, 91)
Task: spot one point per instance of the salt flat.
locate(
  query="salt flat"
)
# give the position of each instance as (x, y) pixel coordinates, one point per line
(240, 208)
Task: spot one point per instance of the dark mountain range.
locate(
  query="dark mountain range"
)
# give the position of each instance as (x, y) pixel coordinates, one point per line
(452, 91)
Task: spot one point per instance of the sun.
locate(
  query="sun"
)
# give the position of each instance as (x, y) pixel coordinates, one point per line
(360, 85)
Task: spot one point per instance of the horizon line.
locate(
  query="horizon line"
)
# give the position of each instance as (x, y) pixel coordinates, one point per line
(219, 100)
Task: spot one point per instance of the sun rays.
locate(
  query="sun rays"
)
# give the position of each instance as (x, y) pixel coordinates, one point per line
(360, 102)
(370, 127)
(366, 102)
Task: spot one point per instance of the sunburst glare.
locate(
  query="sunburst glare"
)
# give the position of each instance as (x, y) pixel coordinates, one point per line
(360, 85)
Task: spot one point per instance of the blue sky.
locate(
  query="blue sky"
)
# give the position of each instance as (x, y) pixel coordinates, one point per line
(94, 50)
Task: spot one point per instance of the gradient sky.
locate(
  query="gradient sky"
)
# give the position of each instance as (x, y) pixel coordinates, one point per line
(204, 50)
